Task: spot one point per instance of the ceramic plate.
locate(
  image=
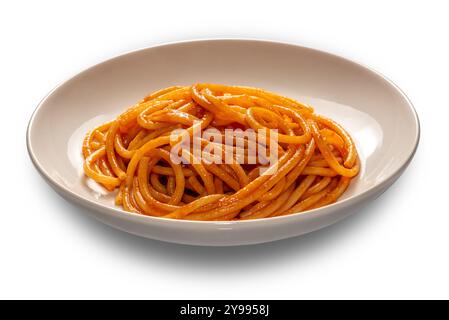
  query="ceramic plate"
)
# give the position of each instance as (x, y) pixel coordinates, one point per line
(376, 113)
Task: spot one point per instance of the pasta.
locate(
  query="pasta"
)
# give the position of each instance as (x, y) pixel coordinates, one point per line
(166, 155)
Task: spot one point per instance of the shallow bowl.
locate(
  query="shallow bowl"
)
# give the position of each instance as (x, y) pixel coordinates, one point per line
(376, 113)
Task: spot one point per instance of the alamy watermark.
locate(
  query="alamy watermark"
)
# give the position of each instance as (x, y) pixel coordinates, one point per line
(230, 146)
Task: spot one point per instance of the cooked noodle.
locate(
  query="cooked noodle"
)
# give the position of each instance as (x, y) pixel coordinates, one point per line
(133, 153)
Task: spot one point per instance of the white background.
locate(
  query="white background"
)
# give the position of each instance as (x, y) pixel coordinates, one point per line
(397, 247)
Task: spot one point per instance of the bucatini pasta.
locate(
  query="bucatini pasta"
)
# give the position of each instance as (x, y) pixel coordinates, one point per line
(218, 152)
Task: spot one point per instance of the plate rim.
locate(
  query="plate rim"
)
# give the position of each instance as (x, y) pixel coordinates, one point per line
(60, 188)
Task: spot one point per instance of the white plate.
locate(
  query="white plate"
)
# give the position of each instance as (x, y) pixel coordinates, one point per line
(376, 113)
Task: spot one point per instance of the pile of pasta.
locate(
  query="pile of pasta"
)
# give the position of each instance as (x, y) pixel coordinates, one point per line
(316, 161)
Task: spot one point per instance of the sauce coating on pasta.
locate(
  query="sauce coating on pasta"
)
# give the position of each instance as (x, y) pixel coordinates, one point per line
(218, 152)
